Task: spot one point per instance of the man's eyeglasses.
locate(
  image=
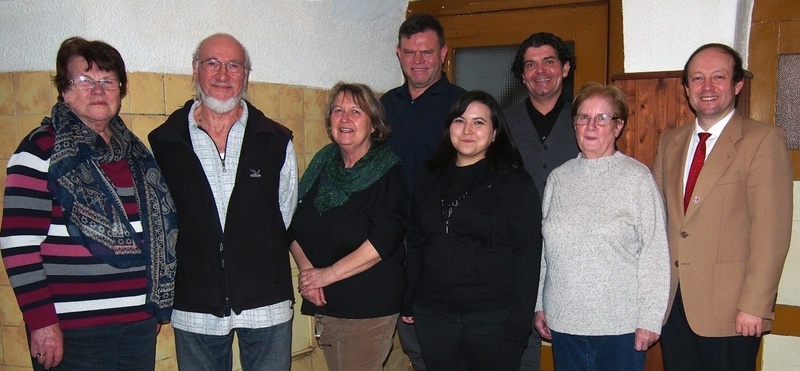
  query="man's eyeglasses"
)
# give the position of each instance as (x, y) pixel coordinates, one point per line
(601, 120)
(86, 83)
(213, 66)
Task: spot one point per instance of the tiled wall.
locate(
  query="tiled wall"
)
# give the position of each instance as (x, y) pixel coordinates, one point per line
(26, 97)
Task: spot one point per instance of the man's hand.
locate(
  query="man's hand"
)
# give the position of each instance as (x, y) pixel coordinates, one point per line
(47, 345)
(748, 324)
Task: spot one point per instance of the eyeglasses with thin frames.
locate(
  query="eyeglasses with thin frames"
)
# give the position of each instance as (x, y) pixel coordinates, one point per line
(601, 120)
(87, 83)
(214, 65)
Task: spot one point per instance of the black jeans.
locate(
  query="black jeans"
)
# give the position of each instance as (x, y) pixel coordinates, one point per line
(466, 341)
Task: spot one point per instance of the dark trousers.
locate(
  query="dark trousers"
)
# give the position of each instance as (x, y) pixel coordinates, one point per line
(533, 353)
(466, 341)
(410, 344)
(685, 350)
(119, 346)
(596, 353)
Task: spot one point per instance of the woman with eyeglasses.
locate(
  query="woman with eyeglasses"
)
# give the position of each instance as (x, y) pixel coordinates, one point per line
(605, 266)
(474, 244)
(88, 227)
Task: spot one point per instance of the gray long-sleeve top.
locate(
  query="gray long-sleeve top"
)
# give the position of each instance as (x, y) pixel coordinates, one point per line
(605, 266)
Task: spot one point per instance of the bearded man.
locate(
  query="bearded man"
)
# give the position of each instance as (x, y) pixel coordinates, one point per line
(233, 175)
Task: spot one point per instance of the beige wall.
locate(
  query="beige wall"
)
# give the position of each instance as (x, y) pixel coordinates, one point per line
(26, 97)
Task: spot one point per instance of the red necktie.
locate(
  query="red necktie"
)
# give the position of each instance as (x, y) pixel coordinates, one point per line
(697, 164)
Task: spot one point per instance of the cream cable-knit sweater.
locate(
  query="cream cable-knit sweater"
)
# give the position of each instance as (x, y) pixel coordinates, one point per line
(605, 263)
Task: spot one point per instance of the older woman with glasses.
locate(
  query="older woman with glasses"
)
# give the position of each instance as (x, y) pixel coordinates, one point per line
(88, 228)
(347, 234)
(605, 265)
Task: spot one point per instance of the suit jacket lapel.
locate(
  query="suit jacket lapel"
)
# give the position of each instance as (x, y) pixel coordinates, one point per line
(718, 160)
(677, 159)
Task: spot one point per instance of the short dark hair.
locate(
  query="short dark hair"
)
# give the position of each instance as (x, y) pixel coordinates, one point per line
(502, 154)
(96, 53)
(617, 98)
(420, 22)
(365, 99)
(564, 53)
(738, 69)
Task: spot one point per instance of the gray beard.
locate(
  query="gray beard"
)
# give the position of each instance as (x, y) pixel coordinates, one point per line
(220, 106)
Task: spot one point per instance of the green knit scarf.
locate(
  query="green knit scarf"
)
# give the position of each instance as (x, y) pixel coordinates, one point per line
(336, 183)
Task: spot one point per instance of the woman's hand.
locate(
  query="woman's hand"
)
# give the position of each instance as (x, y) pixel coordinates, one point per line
(47, 345)
(541, 325)
(644, 339)
(315, 278)
(316, 296)
(408, 320)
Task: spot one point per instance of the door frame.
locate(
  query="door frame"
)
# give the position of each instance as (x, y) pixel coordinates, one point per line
(459, 33)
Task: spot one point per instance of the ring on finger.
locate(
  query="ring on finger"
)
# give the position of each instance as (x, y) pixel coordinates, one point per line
(39, 355)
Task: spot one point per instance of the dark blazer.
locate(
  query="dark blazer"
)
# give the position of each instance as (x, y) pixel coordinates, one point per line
(541, 158)
(728, 250)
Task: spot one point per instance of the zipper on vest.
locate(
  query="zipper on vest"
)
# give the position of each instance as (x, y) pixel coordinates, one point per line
(224, 277)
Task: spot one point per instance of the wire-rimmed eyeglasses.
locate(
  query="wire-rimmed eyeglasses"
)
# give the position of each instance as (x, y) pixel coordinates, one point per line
(601, 120)
(87, 83)
(213, 65)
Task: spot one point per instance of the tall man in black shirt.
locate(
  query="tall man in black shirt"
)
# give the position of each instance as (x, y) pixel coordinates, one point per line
(542, 125)
(416, 112)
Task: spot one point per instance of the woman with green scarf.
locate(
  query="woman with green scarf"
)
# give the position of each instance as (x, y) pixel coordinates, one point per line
(347, 234)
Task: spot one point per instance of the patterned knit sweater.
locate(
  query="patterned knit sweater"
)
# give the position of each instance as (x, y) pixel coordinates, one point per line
(55, 279)
(605, 265)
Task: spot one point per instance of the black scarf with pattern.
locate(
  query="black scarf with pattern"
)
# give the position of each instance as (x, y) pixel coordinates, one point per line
(93, 212)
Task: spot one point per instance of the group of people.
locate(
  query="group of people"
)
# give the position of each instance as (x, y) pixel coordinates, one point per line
(472, 231)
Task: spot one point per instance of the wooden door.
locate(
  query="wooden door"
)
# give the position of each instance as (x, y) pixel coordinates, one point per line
(775, 31)
(508, 22)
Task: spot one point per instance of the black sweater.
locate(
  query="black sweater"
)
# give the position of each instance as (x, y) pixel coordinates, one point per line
(376, 214)
(475, 243)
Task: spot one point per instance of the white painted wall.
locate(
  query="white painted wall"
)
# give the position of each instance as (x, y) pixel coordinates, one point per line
(319, 42)
(660, 35)
(299, 42)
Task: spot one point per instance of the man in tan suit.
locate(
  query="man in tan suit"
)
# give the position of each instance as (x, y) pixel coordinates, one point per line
(728, 238)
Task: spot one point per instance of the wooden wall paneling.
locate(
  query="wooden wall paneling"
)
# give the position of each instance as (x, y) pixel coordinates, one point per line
(654, 360)
(650, 100)
(657, 102)
(774, 10)
(789, 44)
(763, 62)
(787, 320)
(626, 141)
(616, 49)
(459, 7)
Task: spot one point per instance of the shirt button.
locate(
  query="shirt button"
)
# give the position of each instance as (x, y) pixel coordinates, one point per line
(684, 234)
(544, 166)
(676, 263)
